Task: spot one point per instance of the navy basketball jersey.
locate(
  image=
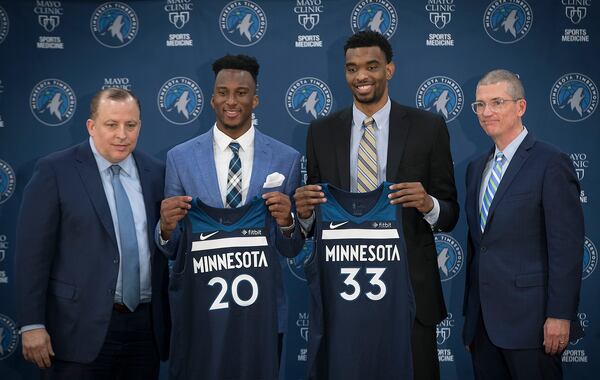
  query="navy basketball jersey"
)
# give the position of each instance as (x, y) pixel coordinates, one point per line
(362, 305)
(223, 296)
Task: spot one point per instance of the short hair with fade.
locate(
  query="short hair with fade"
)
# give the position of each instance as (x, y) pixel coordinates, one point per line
(370, 38)
(237, 62)
(112, 93)
(515, 87)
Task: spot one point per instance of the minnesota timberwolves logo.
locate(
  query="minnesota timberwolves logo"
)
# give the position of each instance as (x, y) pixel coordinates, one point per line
(590, 258)
(308, 99)
(296, 264)
(442, 95)
(376, 15)
(180, 100)
(8, 337)
(243, 23)
(3, 24)
(52, 102)
(449, 256)
(507, 21)
(114, 24)
(7, 182)
(574, 97)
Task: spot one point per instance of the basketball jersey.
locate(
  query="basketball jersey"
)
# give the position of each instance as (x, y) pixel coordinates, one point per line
(223, 295)
(362, 306)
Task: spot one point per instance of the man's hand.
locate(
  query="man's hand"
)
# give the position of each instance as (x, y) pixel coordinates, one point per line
(556, 335)
(172, 210)
(307, 197)
(411, 194)
(37, 347)
(280, 207)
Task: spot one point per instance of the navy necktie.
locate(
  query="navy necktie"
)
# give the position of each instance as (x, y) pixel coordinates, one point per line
(234, 178)
(130, 260)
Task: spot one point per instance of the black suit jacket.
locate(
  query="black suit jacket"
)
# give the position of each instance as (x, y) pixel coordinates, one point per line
(418, 151)
(67, 255)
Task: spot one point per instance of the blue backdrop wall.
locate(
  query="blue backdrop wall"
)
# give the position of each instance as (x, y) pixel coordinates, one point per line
(54, 55)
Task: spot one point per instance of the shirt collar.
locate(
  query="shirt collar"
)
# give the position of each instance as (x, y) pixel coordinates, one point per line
(381, 116)
(127, 165)
(511, 148)
(222, 140)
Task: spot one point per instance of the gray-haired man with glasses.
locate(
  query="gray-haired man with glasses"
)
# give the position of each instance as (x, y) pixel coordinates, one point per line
(525, 243)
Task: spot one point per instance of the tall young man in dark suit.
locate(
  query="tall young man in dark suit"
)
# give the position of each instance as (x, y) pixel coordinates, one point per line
(525, 243)
(91, 287)
(412, 150)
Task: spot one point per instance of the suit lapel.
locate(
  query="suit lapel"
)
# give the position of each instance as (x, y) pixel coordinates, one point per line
(513, 168)
(204, 155)
(260, 165)
(342, 133)
(90, 176)
(398, 131)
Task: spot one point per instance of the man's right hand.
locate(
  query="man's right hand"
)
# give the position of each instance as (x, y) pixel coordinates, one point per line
(37, 347)
(172, 210)
(307, 198)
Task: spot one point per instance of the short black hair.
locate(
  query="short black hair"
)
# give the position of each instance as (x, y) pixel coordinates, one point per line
(237, 62)
(370, 38)
(112, 93)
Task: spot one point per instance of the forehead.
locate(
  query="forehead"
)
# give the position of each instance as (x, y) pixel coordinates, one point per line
(364, 54)
(491, 91)
(108, 107)
(234, 78)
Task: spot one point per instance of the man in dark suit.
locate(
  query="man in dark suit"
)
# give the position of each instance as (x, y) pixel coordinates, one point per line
(525, 243)
(91, 287)
(412, 150)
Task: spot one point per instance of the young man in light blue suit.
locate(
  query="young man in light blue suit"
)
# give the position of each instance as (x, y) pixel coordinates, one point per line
(201, 167)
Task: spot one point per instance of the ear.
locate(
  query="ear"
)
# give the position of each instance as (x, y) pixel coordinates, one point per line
(390, 68)
(255, 101)
(521, 107)
(212, 101)
(90, 124)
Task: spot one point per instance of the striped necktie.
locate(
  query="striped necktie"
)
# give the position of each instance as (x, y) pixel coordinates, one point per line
(234, 178)
(130, 259)
(491, 188)
(366, 177)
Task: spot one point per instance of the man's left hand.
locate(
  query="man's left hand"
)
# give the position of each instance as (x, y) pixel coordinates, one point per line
(556, 335)
(411, 194)
(280, 207)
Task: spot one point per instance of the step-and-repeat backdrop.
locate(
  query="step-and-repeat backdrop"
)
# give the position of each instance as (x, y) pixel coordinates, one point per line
(54, 55)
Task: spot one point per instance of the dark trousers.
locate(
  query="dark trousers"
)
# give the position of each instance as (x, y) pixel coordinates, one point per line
(491, 362)
(424, 351)
(128, 352)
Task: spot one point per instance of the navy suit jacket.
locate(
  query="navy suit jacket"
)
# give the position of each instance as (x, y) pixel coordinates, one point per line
(67, 258)
(526, 266)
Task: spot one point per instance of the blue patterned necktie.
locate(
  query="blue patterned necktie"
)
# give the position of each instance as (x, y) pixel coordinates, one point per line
(491, 188)
(234, 178)
(130, 260)
(366, 176)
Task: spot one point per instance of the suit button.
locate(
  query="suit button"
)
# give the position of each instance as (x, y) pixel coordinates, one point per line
(483, 249)
(116, 261)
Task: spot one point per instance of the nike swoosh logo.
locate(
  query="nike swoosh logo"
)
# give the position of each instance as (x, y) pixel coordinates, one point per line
(334, 226)
(204, 237)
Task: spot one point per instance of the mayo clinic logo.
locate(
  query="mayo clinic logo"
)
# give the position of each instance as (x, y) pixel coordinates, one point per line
(243, 23)
(3, 24)
(49, 13)
(507, 21)
(179, 12)
(376, 15)
(574, 97)
(308, 99)
(114, 24)
(7, 182)
(442, 95)
(9, 338)
(580, 162)
(590, 258)
(303, 322)
(584, 322)
(450, 256)
(576, 10)
(52, 102)
(444, 329)
(180, 100)
(296, 264)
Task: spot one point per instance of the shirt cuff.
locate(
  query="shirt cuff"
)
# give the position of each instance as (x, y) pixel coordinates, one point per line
(432, 216)
(306, 224)
(31, 327)
(162, 241)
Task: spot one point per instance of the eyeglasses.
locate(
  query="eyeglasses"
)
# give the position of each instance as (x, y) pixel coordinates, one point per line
(495, 105)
